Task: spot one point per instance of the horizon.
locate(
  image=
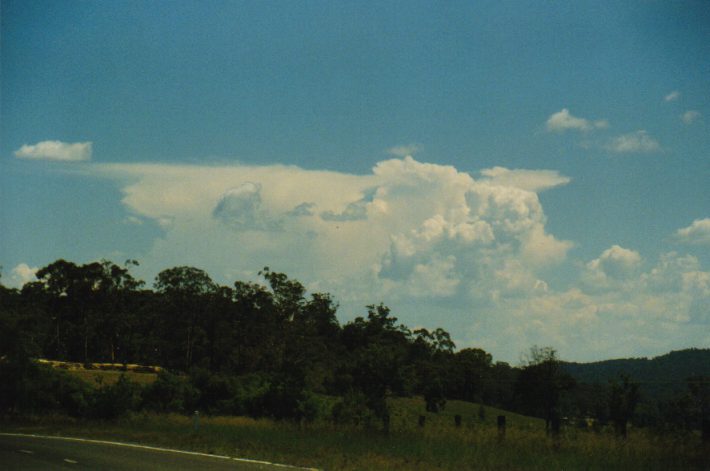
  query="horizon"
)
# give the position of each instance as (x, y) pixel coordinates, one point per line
(516, 175)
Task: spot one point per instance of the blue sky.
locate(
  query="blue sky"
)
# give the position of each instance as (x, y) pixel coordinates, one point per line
(514, 172)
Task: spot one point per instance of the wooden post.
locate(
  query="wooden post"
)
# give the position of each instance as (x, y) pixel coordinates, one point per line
(196, 421)
(555, 429)
(555, 425)
(422, 420)
(457, 420)
(386, 423)
(501, 427)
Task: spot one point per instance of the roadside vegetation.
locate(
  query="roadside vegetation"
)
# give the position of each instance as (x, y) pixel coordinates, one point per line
(438, 445)
(274, 375)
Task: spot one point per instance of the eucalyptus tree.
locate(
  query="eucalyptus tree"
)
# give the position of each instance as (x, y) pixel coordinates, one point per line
(185, 293)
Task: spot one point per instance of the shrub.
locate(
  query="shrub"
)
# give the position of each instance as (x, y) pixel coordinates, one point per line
(112, 401)
(36, 388)
(352, 409)
(169, 393)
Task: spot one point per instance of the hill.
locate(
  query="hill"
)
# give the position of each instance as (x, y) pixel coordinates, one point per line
(660, 377)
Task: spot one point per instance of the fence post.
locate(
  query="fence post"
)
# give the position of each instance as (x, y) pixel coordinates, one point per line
(386, 423)
(196, 421)
(501, 427)
(555, 425)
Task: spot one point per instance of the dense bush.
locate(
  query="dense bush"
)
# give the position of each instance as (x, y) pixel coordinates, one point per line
(352, 409)
(115, 400)
(169, 393)
(33, 388)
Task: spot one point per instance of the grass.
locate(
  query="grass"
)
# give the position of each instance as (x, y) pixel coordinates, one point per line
(106, 373)
(439, 445)
(96, 377)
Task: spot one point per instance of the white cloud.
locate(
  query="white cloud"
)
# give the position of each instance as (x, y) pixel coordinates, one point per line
(697, 233)
(56, 150)
(563, 121)
(621, 305)
(635, 142)
(672, 96)
(436, 245)
(530, 180)
(22, 274)
(614, 266)
(690, 116)
(618, 262)
(404, 150)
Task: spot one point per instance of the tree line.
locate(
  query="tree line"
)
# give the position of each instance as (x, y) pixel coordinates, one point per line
(266, 349)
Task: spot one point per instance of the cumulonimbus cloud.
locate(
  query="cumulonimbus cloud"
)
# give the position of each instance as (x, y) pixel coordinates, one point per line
(437, 245)
(530, 180)
(56, 150)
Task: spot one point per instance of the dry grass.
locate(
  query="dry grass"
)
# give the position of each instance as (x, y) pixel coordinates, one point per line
(439, 445)
(98, 377)
(106, 373)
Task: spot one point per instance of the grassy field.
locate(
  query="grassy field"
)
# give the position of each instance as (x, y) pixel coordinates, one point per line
(439, 445)
(105, 373)
(97, 377)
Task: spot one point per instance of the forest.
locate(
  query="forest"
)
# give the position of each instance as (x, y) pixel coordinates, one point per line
(272, 349)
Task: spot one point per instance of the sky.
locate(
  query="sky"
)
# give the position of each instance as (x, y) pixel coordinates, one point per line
(518, 173)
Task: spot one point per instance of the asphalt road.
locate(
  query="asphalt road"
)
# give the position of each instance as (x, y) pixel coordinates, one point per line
(29, 452)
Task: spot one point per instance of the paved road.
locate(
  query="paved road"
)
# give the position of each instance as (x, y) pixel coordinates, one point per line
(29, 452)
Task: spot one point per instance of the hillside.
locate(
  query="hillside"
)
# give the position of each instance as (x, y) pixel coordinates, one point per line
(660, 377)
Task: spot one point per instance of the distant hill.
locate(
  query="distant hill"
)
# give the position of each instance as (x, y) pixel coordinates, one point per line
(660, 377)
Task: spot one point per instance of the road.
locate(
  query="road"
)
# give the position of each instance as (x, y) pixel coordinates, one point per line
(32, 452)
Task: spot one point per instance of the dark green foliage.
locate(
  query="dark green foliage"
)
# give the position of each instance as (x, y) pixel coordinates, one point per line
(285, 399)
(659, 378)
(541, 385)
(353, 409)
(86, 309)
(112, 401)
(377, 360)
(40, 389)
(470, 378)
(623, 399)
(434, 396)
(266, 349)
(169, 393)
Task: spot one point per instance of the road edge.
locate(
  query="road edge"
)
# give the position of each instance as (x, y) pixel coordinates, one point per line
(155, 448)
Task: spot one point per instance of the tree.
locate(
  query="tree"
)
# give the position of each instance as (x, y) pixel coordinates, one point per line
(432, 354)
(540, 385)
(87, 305)
(377, 363)
(116, 294)
(470, 371)
(186, 291)
(699, 388)
(623, 398)
(258, 345)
